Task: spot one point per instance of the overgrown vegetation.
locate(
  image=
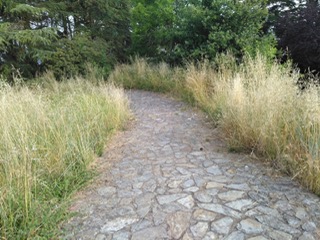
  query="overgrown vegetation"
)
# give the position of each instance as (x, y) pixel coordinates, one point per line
(50, 133)
(257, 104)
(141, 74)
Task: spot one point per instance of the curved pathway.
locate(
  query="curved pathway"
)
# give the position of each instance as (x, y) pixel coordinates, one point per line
(171, 178)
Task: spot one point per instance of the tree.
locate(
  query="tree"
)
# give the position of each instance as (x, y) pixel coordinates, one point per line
(62, 35)
(152, 24)
(298, 34)
(195, 29)
(22, 40)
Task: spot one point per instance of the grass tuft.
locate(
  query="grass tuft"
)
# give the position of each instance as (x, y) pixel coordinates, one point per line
(49, 134)
(151, 77)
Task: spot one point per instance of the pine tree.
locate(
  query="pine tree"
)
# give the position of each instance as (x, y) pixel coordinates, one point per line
(23, 36)
(62, 35)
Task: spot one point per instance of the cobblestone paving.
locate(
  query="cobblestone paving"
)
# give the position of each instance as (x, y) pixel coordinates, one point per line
(171, 178)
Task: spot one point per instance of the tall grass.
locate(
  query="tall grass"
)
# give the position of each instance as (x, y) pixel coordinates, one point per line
(259, 108)
(49, 135)
(152, 77)
(262, 111)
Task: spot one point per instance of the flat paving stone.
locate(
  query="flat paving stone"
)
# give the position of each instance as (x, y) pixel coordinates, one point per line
(214, 170)
(222, 226)
(200, 229)
(235, 236)
(221, 209)
(279, 235)
(306, 236)
(117, 224)
(231, 195)
(188, 183)
(164, 199)
(178, 223)
(203, 196)
(169, 175)
(150, 233)
(210, 236)
(204, 215)
(214, 185)
(240, 204)
(241, 186)
(121, 236)
(250, 226)
(258, 238)
(188, 202)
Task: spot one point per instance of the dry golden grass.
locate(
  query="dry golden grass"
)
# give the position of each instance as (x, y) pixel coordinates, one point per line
(257, 105)
(49, 134)
(143, 75)
(263, 111)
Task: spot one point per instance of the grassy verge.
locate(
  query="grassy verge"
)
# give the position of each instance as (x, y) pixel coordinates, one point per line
(49, 134)
(146, 76)
(257, 105)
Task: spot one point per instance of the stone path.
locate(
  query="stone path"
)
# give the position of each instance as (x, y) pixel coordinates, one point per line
(173, 179)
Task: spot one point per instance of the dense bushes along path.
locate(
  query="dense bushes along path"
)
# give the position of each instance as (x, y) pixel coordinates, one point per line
(173, 179)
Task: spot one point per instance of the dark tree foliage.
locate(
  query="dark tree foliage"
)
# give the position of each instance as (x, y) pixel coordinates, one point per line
(298, 33)
(62, 35)
(275, 8)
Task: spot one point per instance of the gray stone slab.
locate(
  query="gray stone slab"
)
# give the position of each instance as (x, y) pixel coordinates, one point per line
(214, 170)
(121, 236)
(218, 208)
(187, 202)
(165, 199)
(279, 235)
(231, 195)
(199, 230)
(204, 215)
(241, 205)
(309, 226)
(235, 236)
(150, 233)
(178, 223)
(250, 226)
(222, 226)
(277, 224)
(203, 196)
(118, 223)
(239, 186)
(306, 236)
(106, 191)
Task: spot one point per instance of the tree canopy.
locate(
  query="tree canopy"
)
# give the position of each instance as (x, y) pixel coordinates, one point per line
(64, 35)
(178, 30)
(298, 30)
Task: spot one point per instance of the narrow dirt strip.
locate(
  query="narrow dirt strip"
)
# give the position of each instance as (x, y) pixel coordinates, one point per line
(169, 177)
